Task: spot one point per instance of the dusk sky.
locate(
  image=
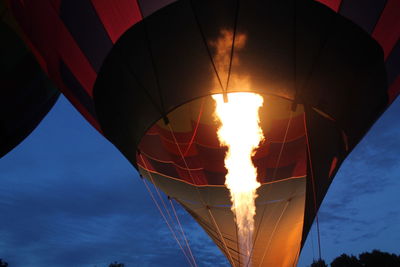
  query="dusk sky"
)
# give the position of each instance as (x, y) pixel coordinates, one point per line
(69, 198)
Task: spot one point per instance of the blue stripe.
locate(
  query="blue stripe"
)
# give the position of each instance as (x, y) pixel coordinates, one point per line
(81, 19)
(364, 13)
(393, 63)
(76, 89)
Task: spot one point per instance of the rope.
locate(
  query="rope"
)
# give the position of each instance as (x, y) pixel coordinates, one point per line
(166, 221)
(196, 128)
(297, 257)
(203, 37)
(159, 195)
(318, 57)
(258, 229)
(312, 244)
(297, 94)
(273, 232)
(141, 86)
(182, 232)
(184, 161)
(221, 236)
(283, 145)
(232, 51)
(274, 176)
(313, 186)
(219, 80)
(197, 190)
(225, 96)
(166, 121)
(167, 210)
(153, 64)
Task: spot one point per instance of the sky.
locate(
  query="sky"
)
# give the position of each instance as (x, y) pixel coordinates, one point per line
(69, 198)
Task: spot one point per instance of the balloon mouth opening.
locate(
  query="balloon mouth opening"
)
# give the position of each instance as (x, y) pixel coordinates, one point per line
(185, 159)
(187, 149)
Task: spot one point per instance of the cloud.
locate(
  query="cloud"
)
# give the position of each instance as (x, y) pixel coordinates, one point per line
(69, 198)
(372, 165)
(358, 212)
(55, 232)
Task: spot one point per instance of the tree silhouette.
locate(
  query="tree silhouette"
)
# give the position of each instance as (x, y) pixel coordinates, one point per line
(319, 263)
(116, 264)
(3, 263)
(345, 260)
(378, 258)
(375, 258)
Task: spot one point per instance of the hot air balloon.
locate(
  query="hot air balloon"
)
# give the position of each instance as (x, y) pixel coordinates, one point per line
(144, 72)
(26, 94)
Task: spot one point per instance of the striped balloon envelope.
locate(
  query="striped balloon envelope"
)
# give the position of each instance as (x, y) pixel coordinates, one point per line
(143, 73)
(26, 94)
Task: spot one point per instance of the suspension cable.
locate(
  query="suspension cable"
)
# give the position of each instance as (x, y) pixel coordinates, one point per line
(313, 185)
(273, 232)
(258, 229)
(198, 192)
(273, 176)
(232, 51)
(136, 78)
(224, 89)
(166, 221)
(297, 256)
(196, 128)
(166, 121)
(312, 242)
(186, 165)
(162, 213)
(283, 145)
(203, 37)
(221, 236)
(182, 232)
(170, 217)
(153, 64)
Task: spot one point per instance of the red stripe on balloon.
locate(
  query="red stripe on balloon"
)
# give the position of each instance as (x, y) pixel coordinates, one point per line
(332, 4)
(117, 16)
(333, 166)
(53, 41)
(38, 41)
(75, 59)
(78, 105)
(394, 90)
(387, 30)
(42, 37)
(38, 56)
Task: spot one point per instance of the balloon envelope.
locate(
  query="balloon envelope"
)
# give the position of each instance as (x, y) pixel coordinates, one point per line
(142, 72)
(26, 94)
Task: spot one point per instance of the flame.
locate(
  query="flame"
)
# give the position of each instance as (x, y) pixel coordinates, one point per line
(241, 133)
